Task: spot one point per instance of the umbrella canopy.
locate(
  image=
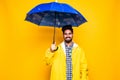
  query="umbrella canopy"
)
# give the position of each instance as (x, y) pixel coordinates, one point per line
(55, 14)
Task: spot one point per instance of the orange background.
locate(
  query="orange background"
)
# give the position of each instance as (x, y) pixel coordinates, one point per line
(22, 44)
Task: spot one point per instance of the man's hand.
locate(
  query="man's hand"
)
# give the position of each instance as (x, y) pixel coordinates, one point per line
(53, 47)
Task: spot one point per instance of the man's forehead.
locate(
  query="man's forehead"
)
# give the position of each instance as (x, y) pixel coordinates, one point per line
(67, 31)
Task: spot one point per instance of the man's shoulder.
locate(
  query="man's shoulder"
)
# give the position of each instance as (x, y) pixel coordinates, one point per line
(61, 44)
(75, 45)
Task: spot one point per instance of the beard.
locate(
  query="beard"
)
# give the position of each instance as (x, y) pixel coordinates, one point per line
(68, 41)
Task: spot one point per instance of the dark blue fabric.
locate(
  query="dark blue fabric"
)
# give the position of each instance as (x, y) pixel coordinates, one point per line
(55, 14)
(53, 6)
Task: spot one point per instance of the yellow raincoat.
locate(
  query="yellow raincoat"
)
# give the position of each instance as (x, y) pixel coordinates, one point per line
(57, 61)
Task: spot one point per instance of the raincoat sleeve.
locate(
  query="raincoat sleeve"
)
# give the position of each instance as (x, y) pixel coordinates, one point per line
(49, 56)
(83, 66)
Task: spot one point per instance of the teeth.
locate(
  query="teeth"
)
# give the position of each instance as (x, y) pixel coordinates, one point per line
(67, 38)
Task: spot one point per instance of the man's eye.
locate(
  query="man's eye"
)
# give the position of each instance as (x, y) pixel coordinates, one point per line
(65, 33)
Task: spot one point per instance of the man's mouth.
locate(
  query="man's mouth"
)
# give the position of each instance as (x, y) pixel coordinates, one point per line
(67, 37)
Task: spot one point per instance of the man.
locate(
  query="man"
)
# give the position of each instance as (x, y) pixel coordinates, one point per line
(67, 60)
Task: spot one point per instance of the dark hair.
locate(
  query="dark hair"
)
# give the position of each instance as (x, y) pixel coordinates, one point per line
(67, 27)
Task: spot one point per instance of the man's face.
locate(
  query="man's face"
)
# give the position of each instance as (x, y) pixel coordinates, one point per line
(67, 35)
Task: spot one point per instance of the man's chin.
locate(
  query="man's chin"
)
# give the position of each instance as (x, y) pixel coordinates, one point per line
(68, 41)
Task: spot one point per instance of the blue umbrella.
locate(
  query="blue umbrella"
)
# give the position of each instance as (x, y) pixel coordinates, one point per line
(55, 14)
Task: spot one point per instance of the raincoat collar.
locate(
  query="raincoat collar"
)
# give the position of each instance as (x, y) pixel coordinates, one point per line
(63, 46)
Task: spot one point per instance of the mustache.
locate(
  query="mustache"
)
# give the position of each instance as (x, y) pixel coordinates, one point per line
(67, 37)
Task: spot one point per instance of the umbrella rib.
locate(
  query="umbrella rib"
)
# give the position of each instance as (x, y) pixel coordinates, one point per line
(58, 19)
(74, 19)
(41, 19)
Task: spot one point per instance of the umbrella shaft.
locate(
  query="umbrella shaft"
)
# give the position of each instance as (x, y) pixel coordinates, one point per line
(54, 30)
(54, 35)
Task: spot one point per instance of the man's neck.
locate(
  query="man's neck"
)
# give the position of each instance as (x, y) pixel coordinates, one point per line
(69, 44)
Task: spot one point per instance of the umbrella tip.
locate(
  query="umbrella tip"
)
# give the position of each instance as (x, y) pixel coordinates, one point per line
(56, 1)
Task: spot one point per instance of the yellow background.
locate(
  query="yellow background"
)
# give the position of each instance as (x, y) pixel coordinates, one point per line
(22, 44)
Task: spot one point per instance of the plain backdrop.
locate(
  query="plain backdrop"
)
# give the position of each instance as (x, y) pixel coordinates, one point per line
(23, 44)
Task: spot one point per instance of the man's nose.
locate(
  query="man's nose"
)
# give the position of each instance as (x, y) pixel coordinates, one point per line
(67, 35)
